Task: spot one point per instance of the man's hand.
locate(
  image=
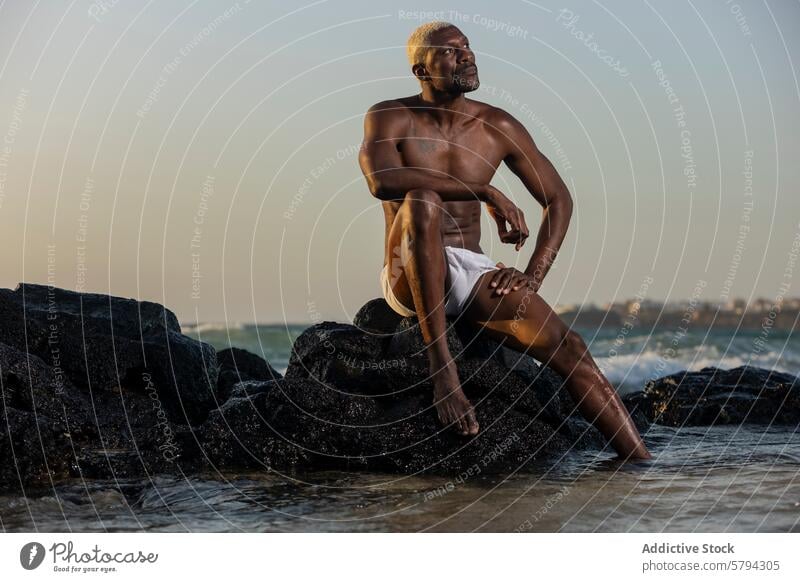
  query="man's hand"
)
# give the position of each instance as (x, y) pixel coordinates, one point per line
(508, 279)
(503, 211)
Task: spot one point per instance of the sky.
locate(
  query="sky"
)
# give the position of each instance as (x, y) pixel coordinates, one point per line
(203, 155)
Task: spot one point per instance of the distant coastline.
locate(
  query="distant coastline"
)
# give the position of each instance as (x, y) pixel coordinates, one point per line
(761, 314)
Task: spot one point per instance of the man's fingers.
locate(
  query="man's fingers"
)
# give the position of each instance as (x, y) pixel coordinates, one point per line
(520, 234)
(505, 275)
(523, 225)
(501, 223)
(497, 282)
(516, 235)
(507, 279)
(510, 282)
(501, 287)
(497, 278)
(512, 236)
(514, 281)
(523, 237)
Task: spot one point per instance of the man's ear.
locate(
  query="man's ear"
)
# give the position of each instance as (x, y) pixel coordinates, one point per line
(420, 72)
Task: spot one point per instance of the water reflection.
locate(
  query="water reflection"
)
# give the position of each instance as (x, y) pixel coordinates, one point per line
(701, 479)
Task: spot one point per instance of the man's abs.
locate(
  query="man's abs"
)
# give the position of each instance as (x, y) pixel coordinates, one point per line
(461, 225)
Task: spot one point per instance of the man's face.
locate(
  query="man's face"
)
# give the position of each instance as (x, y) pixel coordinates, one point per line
(450, 64)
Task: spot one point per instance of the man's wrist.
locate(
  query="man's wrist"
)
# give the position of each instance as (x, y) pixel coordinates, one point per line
(541, 262)
(485, 192)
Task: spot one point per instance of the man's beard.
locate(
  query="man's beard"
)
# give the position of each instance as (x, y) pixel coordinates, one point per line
(466, 84)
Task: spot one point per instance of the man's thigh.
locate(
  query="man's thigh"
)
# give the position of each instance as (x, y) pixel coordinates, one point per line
(521, 317)
(399, 256)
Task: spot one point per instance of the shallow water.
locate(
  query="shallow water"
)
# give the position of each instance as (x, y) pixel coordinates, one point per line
(718, 479)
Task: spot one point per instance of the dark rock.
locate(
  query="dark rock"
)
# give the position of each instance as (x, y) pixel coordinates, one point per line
(331, 349)
(105, 343)
(38, 408)
(53, 430)
(375, 316)
(31, 450)
(350, 398)
(238, 365)
(355, 400)
(132, 318)
(714, 396)
(29, 385)
(250, 388)
(96, 386)
(304, 422)
(407, 340)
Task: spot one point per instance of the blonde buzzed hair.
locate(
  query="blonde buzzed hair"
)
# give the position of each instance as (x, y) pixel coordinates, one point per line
(419, 41)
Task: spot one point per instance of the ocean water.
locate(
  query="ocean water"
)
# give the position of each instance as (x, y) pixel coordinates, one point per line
(718, 479)
(701, 479)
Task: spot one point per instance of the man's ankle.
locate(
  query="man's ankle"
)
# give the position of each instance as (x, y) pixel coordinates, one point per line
(445, 368)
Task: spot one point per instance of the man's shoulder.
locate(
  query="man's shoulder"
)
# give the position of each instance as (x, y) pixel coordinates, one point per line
(496, 117)
(391, 107)
(391, 117)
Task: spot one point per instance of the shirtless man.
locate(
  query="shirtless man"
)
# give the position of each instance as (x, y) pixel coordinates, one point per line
(430, 158)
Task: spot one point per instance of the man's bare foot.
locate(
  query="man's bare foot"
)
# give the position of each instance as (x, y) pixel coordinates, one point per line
(640, 453)
(451, 404)
(637, 456)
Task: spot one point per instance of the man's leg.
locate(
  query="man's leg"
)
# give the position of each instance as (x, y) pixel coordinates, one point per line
(419, 275)
(526, 323)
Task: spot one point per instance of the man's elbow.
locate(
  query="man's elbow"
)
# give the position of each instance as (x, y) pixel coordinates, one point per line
(382, 189)
(568, 203)
(564, 202)
(561, 205)
(376, 187)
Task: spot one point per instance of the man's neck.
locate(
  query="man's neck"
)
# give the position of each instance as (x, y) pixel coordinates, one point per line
(447, 109)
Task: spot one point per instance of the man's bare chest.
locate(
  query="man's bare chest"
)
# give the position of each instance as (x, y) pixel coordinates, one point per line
(470, 154)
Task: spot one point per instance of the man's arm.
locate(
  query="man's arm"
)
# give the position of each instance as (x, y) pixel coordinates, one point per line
(385, 124)
(543, 182)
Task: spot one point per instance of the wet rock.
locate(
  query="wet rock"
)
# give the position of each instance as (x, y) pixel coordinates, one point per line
(304, 422)
(45, 418)
(715, 396)
(95, 386)
(238, 365)
(407, 339)
(106, 344)
(375, 316)
(341, 351)
(53, 430)
(31, 450)
(352, 399)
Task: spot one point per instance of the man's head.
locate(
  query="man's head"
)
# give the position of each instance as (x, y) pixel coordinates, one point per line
(439, 54)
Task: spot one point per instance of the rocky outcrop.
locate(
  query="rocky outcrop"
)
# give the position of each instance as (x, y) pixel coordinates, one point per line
(237, 365)
(356, 400)
(94, 385)
(714, 396)
(99, 386)
(103, 343)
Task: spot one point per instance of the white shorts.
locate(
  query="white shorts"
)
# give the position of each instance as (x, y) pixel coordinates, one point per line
(465, 269)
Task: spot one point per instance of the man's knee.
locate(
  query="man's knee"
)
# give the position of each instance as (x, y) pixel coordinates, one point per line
(424, 205)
